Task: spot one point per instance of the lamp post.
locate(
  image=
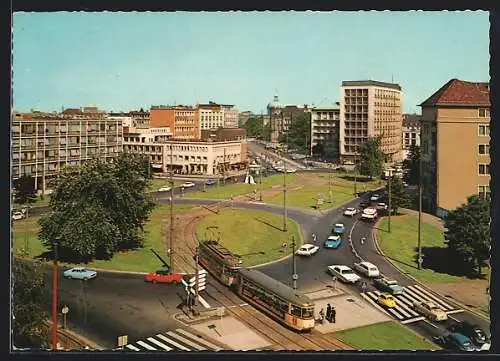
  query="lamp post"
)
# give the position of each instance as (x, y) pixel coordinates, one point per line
(390, 201)
(295, 276)
(54, 298)
(355, 179)
(420, 186)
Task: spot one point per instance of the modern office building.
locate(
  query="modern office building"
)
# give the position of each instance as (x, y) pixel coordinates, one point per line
(230, 116)
(370, 109)
(183, 121)
(411, 132)
(455, 145)
(42, 144)
(281, 116)
(325, 121)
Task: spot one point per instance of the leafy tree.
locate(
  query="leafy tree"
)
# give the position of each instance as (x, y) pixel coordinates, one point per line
(399, 197)
(468, 232)
(318, 150)
(24, 189)
(100, 210)
(371, 158)
(254, 126)
(298, 134)
(412, 165)
(28, 312)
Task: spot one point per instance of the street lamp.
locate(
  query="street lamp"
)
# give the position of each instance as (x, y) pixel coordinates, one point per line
(54, 298)
(295, 276)
(390, 201)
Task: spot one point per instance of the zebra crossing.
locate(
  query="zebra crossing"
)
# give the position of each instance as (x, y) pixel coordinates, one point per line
(178, 340)
(404, 311)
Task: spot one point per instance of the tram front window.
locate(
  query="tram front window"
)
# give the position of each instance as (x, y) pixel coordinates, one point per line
(307, 312)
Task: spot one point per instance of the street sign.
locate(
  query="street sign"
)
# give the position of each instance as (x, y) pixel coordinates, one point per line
(65, 310)
(295, 276)
(122, 340)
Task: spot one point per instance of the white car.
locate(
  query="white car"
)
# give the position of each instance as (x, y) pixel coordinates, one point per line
(307, 250)
(188, 184)
(375, 197)
(343, 273)
(369, 214)
(349, 212)
(164, 189)
(368, 269)
(430, 310)
(17, 216)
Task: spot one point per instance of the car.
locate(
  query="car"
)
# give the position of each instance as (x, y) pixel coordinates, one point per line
(17, 216)
(366, 268)
(80, 273)
(380, 206)
(292, 170)
(210, 182)
(430, 310)
(472, 331)
(307, 250)
(343, 273)
(333, 242)
(369, 214)
(164, 189)
(364, 204)
(188, 184)
(455, 341)
(375, 197)
(387, 300)
(339, 228)
(387, 285)
(163, 276)
(349, 212)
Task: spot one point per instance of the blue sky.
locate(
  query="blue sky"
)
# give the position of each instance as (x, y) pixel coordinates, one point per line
(124, 61)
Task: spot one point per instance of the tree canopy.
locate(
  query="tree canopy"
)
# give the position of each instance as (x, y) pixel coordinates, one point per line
(27, 304)
(371, 158)
(298, 135)
(399, 197)
(254, 127)
(99, 210)
(468, 232)
(24, 189)
(412, 165)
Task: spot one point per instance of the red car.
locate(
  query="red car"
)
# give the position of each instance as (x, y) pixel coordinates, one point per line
(163, 276)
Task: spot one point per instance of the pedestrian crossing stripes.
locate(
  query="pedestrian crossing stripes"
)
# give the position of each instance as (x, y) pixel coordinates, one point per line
(178, 340)
(404, 311)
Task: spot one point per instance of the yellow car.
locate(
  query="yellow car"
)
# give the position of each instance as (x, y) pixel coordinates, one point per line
(386, 300)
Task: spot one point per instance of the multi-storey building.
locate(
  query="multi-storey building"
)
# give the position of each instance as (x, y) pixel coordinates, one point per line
(243, 117)
(325, 121)
(411, 132)
(42, 144)
(281, 116)
(211, 116)
(370, 109)
(455, 145)
(230, 116)
(183, 121)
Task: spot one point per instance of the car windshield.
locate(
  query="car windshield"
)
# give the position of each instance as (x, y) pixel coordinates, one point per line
(347, 271)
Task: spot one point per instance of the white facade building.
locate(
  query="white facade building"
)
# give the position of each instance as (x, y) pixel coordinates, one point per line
(211, 117)
(325, 129)
(230, 116)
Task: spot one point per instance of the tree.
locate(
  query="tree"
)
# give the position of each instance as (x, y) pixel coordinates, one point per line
(468, 232)
(254, 127)
(27, 304)
(399, 197)
(298, 135)
(24, 189)
(100, 210)
(371, 158)
(318, 150)
(412, 165)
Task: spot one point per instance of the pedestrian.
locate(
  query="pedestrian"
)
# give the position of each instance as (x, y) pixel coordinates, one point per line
(329, 313)
(314, 237)
(363, 240)
(334, 313)
(321, 316)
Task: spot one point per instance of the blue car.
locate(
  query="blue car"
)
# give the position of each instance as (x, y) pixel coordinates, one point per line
(80, 273)
(333, 242)
(338, 228)
(210, 182)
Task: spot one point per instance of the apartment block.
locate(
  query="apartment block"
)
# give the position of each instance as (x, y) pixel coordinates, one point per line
(411, 132)
(370, 109)
(42, 144)
(325, 120)
(455, 145)
(183, 121)
(230, 116)
(211, 116)
(281, 116)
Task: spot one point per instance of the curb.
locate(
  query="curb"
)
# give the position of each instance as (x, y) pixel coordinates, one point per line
(379, 250)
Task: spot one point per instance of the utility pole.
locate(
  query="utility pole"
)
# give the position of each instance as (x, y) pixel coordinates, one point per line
(294, 266)
(420, 185)
(224, 167)
(390, 198)
(197, 275)
(260, 179)
(330, 184)
(54, 299)
(171, 246)
(26, 234)
(284, 190)
(355, 179)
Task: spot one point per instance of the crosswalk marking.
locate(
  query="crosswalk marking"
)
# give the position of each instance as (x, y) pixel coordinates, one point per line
(172, 342)
(132, 347)
(433, 297)
(146, 346)
(198, 339)
(186, 341)
(158, 343)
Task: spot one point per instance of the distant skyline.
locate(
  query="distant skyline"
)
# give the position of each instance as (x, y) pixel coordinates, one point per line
(125, 61)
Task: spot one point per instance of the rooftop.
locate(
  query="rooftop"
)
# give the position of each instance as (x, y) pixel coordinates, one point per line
(366, 83)
(460, 92)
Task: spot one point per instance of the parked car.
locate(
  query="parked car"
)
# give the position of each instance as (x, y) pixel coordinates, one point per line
(164, 189)
(163, 276)
(387, 300)
(343, 273)
(430, 310)
(390, 286)
(333, 242)
(291, 170)
(350, 212)
(307, 250)
(472, 331)
(339, 228)
(368, 269)
(188, 184)
(455, 341)
(210, 182)
(17, 216)
(375, 197)
(80, 273)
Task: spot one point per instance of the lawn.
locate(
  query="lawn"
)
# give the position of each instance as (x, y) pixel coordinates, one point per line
(385, 336)
(141, 260)
(238, 189)
(262, 233)
(38, 203)
(157, 183)
(400, 246)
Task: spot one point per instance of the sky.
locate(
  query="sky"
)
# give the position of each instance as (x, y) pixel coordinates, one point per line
(125, 61)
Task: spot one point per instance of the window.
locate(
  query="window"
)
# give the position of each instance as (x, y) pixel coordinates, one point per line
(484, 169)
(484, 149)
(484, 129)
(484, 113)
(483, 191)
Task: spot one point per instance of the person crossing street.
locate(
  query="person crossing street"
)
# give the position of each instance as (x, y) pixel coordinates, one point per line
(329, 313)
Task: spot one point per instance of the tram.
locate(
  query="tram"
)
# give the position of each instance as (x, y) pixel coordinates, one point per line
(219, 261)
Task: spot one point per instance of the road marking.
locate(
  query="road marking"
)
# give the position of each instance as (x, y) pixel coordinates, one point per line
(146, 346)
(430, 323)
(132, 347)
(158, 343)
(432, 296)
(244, 304)
(454, 311)
(203, 302)
(186, 341)
(420, 318)
(166, 339)
(375, 304)
(199, 339)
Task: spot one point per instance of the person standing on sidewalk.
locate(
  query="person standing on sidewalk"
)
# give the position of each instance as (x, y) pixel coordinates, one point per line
(333, 315)
(329, 313)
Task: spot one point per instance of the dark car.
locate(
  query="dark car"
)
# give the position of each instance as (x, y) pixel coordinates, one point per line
(364, 204)
(210, 182)
(455, 341)
(474, 332)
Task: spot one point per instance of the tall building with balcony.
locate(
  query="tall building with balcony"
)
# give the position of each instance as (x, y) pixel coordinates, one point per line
(370, 109)
(455, 145)
(42, 144)
(325, 121)
(411, 132)
(183, 121)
